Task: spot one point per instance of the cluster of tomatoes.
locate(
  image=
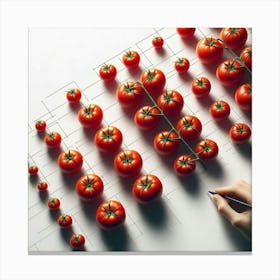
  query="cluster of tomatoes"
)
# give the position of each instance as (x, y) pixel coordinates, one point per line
(165, 103)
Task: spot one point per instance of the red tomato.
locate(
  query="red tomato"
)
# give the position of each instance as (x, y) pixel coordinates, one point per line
(153, 80)
(189, 127)
(70, 161)
(89, 187)
(240, 133)
(40, 125)
(158, 42)
(147, 188)
(207, 149)
(108, 139)
(33, 170)
(42, 186)
(234, 38)
(147, 118)
(184, 165)
(243, 96)
(201, 87)
(182, 65)
(73, 95)
(110, 214)
(128, 163)
(166, 143)
(230, 72)
(64, 220)
(77, 241)
(220, 110)
(108, 72)
(90, 116)
(185, 32)
(246, 56)
(53, 140)
(131, 59)
(209, 50)
(130, 94)
(53, 203)
(171, 102)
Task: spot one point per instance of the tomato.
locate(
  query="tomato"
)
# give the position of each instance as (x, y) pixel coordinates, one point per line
(209, 50)
(89, 187)
(189, 127)
(33, 170)
(73, 95)
(128, 163)
(234, 38)
(147, 188)
(166, 143)
(53, 203)
(110, 214)
(70, 161)
(77, 241)
(147, 118)
(131, 59)
(64, 220)
(130, 94)
(230, 72)
(246, 56)
(40, 125)
(201, 87)
(182, 65)
(42, 186)
(108, 139)
(207, 149)
(90, 116)
(184, 165)
(243, 96)
(153, 80)
(158, 42)
(171, 102)
(240, 133)
(185, 32)
(108, 72)
(220, 110)
(53, 140)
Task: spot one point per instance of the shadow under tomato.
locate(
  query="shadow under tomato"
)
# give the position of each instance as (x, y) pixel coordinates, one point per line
(111, 86)
(187, 77)
(116, 239)
(75, 107)
(89, 133)
(190, 42)
(225, 124)
(41, 134)
(214, 168)
(66, 234)
(191, 184)
(161, 51)
(135, 73)
(154, 213)
(54, 214)
(70, 180)
(33, 179)
(54, 153)
(89, 209)
(44, 196)
(245, 150)
(107, 159)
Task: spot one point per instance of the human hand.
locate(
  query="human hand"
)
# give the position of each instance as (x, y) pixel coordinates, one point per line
(241, 220)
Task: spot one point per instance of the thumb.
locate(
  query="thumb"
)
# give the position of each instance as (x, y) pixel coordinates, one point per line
(225, 209)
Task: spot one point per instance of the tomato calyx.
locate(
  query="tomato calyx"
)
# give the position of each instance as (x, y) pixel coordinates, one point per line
(106, 67)
(69, 156)
(89, 183)
(151, 75)
(186, 161)
(145, 184)
(109, 211)
(219, 106)
(89, 110)
(166, 138)
(231, 67)
(71, 91)
(168, 97)
(240, 129)
(181, 61)
(129, 54)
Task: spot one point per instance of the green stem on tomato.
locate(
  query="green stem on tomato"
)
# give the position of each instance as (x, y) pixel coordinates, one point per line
(172, 127)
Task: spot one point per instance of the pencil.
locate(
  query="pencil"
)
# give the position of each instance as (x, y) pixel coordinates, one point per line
(232, 199)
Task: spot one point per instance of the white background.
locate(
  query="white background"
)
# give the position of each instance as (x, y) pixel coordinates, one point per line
(16, 17)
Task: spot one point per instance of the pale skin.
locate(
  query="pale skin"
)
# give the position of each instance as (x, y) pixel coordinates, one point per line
(241, 191)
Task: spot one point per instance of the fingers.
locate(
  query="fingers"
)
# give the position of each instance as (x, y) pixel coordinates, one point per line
(240, 190)
(223, 207)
